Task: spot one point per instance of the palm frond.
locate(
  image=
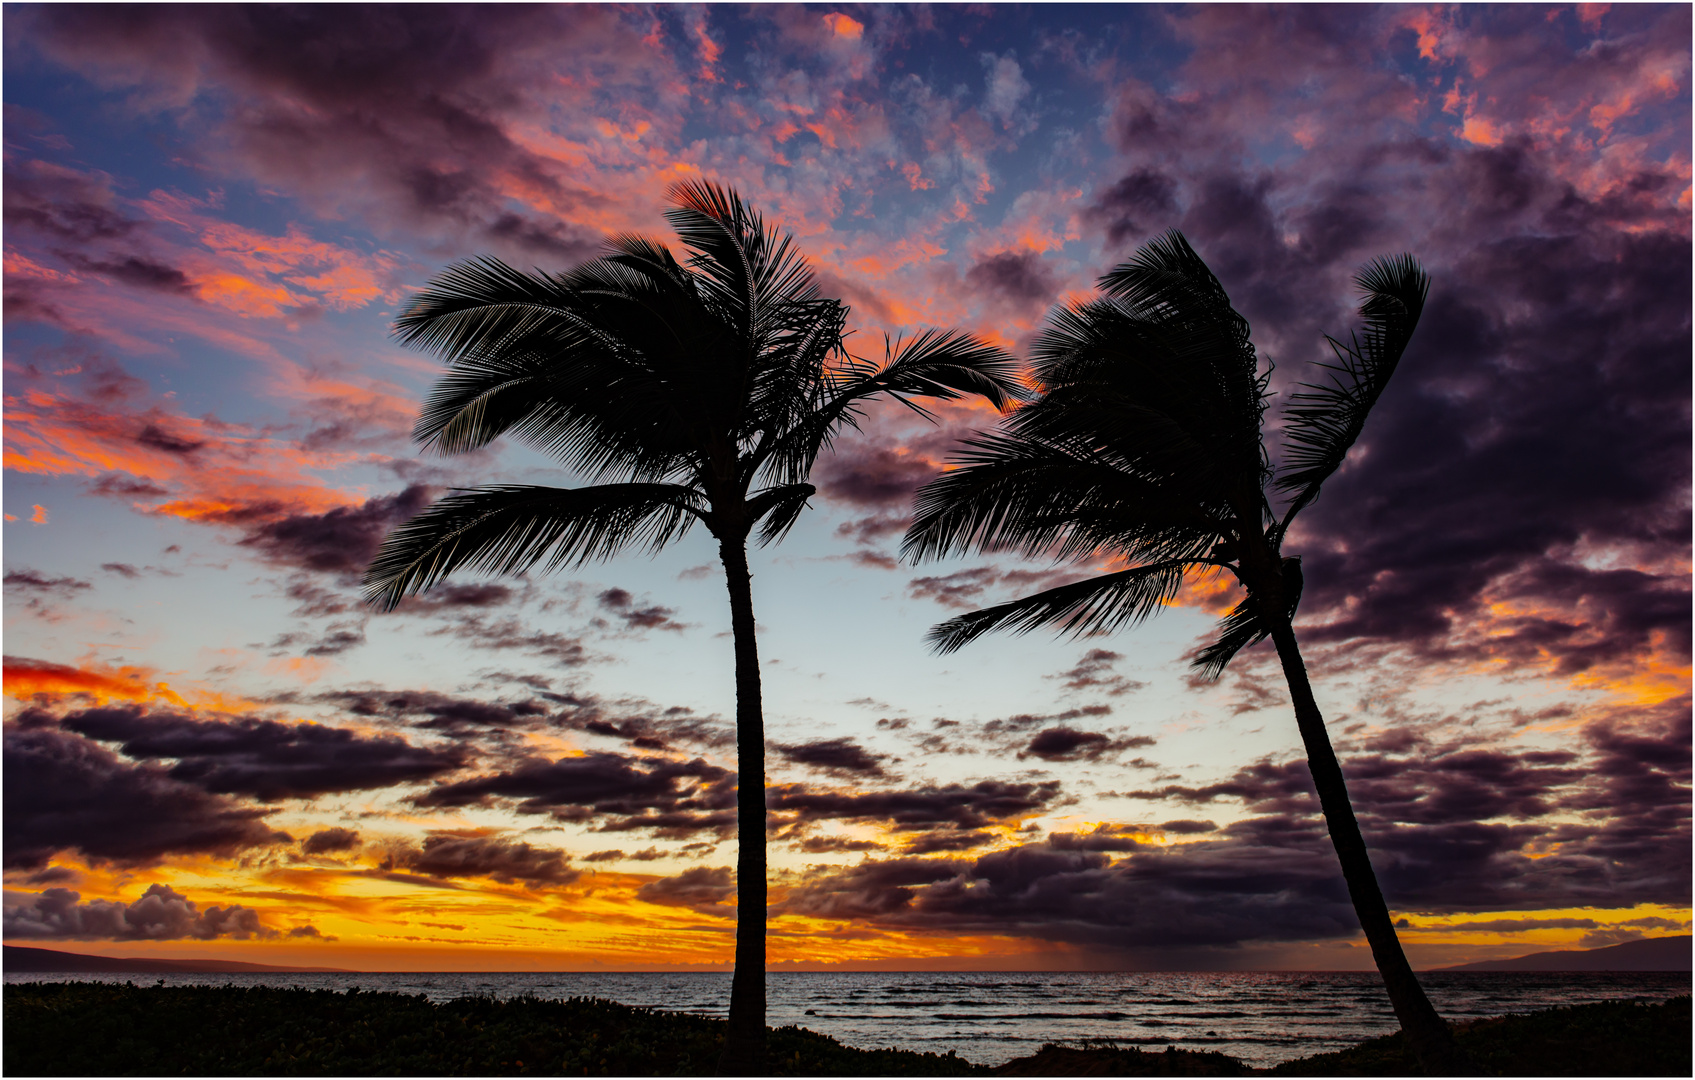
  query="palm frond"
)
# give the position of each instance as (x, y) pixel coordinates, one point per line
(750, 269)
(511, 528)
(1326, 418)
(944, 365)
(1244, 627)
(1009, 492)
(1095, 605)
(777, 509)
(473, 307)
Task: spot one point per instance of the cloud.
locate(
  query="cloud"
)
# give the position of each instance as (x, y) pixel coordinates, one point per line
(621, 605)
(673, 799)
(972, 587)
(956, 806)
(702, 888)
(510, 633)
(842, 757)
(329, 840)
(98, 422)
(339, 541)
(265, 759)
(447, 855)
(1094, 672)
(31, 581)
(160, 914)
(66, 793)
(1484, 514)
(1019, 276)
(1068, 744)
(427, 710)
(299, 115)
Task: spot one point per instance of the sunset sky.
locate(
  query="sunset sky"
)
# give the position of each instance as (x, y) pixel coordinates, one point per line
(213, 748)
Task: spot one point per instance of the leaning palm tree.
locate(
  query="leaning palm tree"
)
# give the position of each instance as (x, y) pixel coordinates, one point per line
(1146, 445)
(703, 391)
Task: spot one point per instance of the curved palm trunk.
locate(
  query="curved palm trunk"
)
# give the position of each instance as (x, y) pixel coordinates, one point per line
(744, 1049)
(1431, 1041)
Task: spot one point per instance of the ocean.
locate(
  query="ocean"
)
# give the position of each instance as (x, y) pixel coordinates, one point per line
(987, 1017)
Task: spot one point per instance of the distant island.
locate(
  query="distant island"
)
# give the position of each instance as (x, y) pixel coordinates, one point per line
(22, 960)
(1649, 954)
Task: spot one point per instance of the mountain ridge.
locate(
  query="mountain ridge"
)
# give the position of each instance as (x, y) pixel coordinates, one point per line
(1648, 954)
(26, 959)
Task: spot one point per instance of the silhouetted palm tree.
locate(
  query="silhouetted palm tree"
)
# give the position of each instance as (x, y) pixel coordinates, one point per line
(706, 390)
(1146, 445)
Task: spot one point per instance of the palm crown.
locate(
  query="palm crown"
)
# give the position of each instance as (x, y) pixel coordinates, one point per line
(1146, 445)
(707, 388)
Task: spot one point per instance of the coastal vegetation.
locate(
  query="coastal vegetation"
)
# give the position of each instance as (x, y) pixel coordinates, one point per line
(705, 389)
(120, 1029)
(1146, 448)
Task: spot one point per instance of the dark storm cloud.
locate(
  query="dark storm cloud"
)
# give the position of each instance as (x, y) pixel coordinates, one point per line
(64, 204)
(819, 845)
(446, 714)
(400, 114)
(66, 793)
(871, 474)
(842, 757)
(1019, 276)
(643, 726)
(161, 914)
(1221, 895)
(116, 486)
(955, 806)
(341, 541)
(1069, 744)
(673, 799)
(703, 888)
(1452, 828)
(1458, 827)
(478, 594)
(325, 841)
(265, 759)
(1137, 205)
(137, 270)
(446, 855)
(1542, 409)
(930, 843)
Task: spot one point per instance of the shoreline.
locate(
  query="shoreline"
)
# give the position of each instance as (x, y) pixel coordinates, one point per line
(117, 1029)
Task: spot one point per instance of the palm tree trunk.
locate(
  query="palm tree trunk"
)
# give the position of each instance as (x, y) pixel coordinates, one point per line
(1429, 1038)
(744, 1049)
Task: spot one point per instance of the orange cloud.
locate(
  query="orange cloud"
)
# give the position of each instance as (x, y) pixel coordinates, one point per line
(205, 469)
(248, 271)
(28, 679)
(843, 26)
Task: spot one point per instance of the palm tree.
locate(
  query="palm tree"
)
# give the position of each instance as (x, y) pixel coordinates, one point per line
(705, 390)
(1146, 445)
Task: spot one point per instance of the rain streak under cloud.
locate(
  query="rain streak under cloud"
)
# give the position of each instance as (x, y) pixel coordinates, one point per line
(213, 214)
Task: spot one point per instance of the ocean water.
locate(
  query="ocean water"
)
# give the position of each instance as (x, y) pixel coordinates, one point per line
(988, 1017)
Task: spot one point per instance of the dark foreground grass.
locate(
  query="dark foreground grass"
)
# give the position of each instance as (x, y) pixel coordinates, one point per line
(105, 1029)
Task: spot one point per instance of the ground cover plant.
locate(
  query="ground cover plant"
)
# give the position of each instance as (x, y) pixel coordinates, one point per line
(120, 1029)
